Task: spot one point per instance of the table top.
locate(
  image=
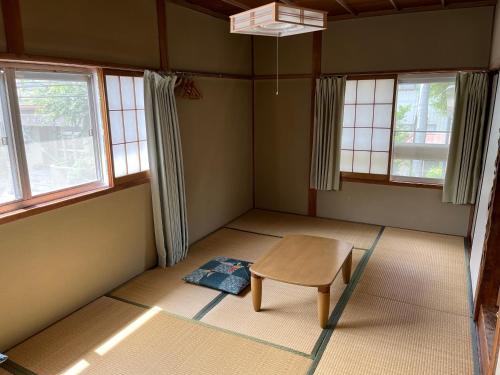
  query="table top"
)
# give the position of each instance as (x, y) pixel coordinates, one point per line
(303, 260)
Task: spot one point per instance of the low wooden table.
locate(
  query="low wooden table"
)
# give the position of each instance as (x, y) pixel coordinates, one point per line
(307, 261)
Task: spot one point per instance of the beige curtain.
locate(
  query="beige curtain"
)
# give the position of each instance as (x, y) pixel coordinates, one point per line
(328, 115)
(166, 168)
(465, 156)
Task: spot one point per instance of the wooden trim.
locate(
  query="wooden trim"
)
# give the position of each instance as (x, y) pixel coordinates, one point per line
(144, 175)
(484, 360)
(101, 76)
(344, 5)
(198, 8)
(11, 11)
(213, 74)
(316, 64)
(284, 76)
(122, 72)
(237, 4)
(162, 33)
(426, 8)
(253, 121)
(371, 75)
(52, 205)
(394, 5)
(59, 61)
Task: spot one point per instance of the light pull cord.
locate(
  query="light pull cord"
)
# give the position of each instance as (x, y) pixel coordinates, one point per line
(277, 65)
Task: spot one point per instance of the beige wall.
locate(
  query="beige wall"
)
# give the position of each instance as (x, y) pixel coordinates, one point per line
(112, 31)
(295, 54)
(495, 44)
(55, 262)
(203, 43)
(216, 134)
(439, 39)
(282, 144)
(394, 206)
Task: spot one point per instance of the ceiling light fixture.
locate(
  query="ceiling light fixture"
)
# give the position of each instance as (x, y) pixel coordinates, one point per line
(277, 20)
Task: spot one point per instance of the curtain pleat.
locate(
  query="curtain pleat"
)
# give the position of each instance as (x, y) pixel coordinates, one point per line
(465, 155)
(328, 114)
(166, 168)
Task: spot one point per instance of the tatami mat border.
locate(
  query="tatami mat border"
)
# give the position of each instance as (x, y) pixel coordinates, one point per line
(325, 336)
(15, 368)
(473, 327)
(205, 310)
(274, 235)
(194, 321)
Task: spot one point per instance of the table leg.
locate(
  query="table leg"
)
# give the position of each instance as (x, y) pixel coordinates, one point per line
(256, 285)
(346, 269)
(323, 305)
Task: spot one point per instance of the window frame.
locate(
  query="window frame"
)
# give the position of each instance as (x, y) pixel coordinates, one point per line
(11, 103)
(387, 179)
(137, 176)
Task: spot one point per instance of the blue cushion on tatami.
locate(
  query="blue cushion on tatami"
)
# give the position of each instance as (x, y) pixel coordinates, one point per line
(222, 273)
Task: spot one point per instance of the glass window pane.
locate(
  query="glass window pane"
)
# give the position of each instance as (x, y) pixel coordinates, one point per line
(130, 125)
(127, 91)
(346, 161)
(382, 115)
(57, 130)
(133, 163)
(139, 92)
(384, 91)
(348, 138)
(113, 92)
(381, 139)
(350, 92)
(379, 162)
(423, 121)
(349, 113)
(361, 162)
(364, 115)
(143, 149)
(366, 91)
(119, 160)
(116, 124)
(8, 174)
(363, 139)
(141, 123)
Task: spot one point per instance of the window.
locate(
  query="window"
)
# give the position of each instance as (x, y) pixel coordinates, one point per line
(125, 98)
(424, 115)
(410, 145)
(366, 131)
(50, 137)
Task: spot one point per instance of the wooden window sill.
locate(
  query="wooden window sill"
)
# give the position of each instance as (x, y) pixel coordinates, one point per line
(21, 213)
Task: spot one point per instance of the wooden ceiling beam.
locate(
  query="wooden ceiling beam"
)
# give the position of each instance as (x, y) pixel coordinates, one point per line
(344, 5)
(288, 2)
(237, 4)
(394, 5)
(449, 5)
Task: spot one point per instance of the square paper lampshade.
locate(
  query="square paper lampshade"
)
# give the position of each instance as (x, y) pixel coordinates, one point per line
(276, 19)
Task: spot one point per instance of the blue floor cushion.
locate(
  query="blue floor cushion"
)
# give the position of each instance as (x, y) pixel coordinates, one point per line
(222, 273)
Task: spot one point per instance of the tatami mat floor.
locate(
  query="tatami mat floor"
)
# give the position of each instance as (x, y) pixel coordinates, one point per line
(405, 311)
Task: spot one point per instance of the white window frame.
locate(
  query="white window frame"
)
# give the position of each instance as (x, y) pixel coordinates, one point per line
(429, 148)
(10, 105)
